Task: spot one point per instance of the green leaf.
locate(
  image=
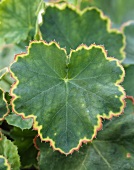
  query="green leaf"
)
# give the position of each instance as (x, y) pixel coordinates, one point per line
(18, 121)
(7, 53)
(71, 28)
(6, 81)
(9, 151)
(58, 90)
(18, 19)
(3, 105)
(128, 83)
(24, 141)
(129, 49)
(3, 72)
(112, 150)
(4, 163)
(119, 11)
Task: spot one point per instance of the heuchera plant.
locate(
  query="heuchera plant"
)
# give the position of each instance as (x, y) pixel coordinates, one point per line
(66, 85)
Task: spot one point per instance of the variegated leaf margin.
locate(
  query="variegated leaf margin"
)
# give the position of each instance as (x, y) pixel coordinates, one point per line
(4, 165)
(4, 110)
(70, 33)
(63, 64)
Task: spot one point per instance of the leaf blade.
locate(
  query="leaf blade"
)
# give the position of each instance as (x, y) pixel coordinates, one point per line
(3, 105)
(57, 93)
(73, 30)
(9, 150)
(14, 25)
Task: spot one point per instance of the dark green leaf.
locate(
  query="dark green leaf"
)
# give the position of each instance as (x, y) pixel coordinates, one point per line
(24, 141)
(119, 11)
(129, 49)
(129, 80)
(67, 95)
(3, 105)
(71, 28)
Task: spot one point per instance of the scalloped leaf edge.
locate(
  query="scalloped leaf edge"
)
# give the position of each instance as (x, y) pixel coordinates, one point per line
(102, 16)
(99, 124)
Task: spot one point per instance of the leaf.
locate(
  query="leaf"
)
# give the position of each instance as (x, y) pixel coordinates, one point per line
(7, 53)
(71, 28)
(24, 141)
(58, 90)
(129, 49)
(3, 72)
(18, 19)
(9, 151)
(3, 105)
(128, 83)
(6, 82)
(18, 121)
(119, 11)
(112, 150)
(4, 163)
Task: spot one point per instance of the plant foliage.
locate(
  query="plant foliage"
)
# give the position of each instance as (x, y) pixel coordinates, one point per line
(54, 79)
(66, 85)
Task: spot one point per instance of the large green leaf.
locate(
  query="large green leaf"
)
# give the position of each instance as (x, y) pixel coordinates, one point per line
(129, 80)
(3, 105)
(119, 11)
(24, 141)
(9, 151)
(4, 165)
(71, 28)
(67, 95)
(112, 150)
(18, 19)
(129, 49)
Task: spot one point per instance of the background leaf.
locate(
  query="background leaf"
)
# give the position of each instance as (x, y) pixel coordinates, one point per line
(6, 82)
(50, 82)
(9, 151)
(119, 11)
(24, 141)
(128, 83)
(71, 28)
(3, 105)
(18, 121)
(3, 72)
(129, 49)
(18, 19)
(8, 51)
